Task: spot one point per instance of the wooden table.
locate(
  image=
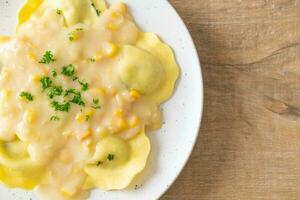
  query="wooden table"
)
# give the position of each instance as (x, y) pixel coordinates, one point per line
(249, 145)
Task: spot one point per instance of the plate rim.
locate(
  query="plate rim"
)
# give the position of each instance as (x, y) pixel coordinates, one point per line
(201, 87)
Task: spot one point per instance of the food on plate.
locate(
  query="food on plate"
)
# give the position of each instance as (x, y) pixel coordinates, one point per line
(80, 85)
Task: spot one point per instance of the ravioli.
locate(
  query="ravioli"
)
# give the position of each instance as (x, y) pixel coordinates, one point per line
(79, 85)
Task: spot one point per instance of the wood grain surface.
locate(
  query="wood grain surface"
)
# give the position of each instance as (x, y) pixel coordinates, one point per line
(249, 144)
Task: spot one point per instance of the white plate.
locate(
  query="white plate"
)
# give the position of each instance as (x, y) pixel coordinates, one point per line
(173, 144)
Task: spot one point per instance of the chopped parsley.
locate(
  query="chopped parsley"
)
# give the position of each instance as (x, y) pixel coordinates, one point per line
(87, 118)
(55, 91)
(64, 107)
(26, 95)
(84, 85)
(96, 101)
(96, 9)
(46, 82)
(68, 70)
(47, 58)
(77, 100)
(99, 163)
(58, 11)
(79, 29)
(54, 118)
(92, 59)
(74, 78)
(71, 91)
(54, 73)
(110, 157)
(96, 104)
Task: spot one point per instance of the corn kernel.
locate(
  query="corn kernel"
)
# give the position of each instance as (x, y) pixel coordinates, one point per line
(134, 121)
(98, 56)
(5, 93)
(119, 113)
(85, 134)
(122, 124)
(80, 117)
(67, 193)
(89, 112)
(112, 50)
(114, 14)
(135, 95)
(100, 91)
(4, 38)
(30, 116)
(73, 36)
(111, 27)
(32, 57)
(35, 79)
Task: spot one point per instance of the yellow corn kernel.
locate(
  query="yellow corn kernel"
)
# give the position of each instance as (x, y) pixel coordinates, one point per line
(30, 116)
(80, 117)
(135, 95)
(85, 134)
(67, 193)
(114, 14)
(73, 36)
(4, 38)
(122, 124)
(98, 56)
(5, 93)
(112, 50)
(134, 121)
(111, 27)
(35, 78)
(119, 113)
(100, 91)
(32, 57)
(5, 73)
(89, 112)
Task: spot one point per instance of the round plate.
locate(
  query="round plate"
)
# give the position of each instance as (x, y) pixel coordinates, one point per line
(171, 145)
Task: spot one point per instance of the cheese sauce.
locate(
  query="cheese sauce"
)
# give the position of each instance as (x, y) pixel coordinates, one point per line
(67, 104)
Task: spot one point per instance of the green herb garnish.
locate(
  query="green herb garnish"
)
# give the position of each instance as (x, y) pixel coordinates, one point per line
(68, 70)
(74, 78)
(99, 163)
(96, 102)
(55, 91)
(92, 59)
(110, 157)
(26, 95)
(87, 118)
(46, 82)
(96, 9)
(54, 118)
(71, 91)
(77, 100)
(64, 107)
(84, 85)
(58, 11)
(47, 58)
(54, 73)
